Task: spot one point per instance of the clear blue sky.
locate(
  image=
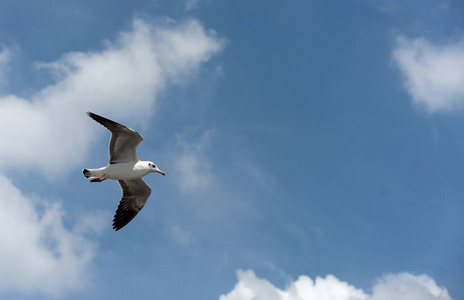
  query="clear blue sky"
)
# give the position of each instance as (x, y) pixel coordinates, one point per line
(321, 139)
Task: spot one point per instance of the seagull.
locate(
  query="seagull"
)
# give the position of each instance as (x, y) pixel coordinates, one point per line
(125, 167)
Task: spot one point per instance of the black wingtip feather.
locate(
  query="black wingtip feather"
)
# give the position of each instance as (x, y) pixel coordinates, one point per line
(131, 203)
(105, 122)
(99, 118)
(122, 220)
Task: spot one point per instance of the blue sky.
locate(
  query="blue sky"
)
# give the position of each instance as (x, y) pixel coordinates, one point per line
(312, 149)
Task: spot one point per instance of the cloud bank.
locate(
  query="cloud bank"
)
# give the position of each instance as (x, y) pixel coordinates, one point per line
(403, 286)
(45, 131)
(434, 74)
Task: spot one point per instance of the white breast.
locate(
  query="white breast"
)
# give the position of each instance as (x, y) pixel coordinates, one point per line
(126, 171)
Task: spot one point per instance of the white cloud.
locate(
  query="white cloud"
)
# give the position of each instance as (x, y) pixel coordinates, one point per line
(434, 74)
(121, 81)
(250, 287)
(403, 286)
(408, 287)
(49, 132)
(37, 252)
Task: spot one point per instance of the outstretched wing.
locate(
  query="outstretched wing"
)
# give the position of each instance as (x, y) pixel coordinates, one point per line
(123, 142)
(135, 194)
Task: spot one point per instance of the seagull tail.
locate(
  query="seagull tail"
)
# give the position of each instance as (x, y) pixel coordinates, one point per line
(87, 173)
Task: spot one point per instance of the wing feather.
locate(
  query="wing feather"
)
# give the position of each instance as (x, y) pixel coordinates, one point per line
(135, 194)
(123, 142)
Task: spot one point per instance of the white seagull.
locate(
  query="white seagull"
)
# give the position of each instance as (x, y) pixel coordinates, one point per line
(125, 167)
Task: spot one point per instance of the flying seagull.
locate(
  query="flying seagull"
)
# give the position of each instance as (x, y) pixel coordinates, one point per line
(125, 167)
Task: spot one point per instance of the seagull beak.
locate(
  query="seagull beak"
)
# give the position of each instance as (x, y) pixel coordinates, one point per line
(161, 172)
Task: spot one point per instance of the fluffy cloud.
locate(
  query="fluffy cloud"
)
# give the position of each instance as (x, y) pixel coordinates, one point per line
(434, 74)
(37, 252)
(122, 81)
(45, 131)
(408, 287)
(401, 286)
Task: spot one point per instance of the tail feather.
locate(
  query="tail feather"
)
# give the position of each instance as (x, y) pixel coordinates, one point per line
(87, 173)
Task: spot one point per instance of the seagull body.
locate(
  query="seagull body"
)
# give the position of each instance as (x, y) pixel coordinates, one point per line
(122, 171)
(125, 167)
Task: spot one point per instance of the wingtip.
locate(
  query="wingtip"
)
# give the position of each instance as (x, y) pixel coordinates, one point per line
(116, 227)
(118, 224)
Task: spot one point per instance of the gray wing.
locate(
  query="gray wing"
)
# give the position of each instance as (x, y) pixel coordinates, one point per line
(135, 194)
(123, 142)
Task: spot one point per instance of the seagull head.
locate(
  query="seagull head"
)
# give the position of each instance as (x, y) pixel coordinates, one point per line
(154, 168)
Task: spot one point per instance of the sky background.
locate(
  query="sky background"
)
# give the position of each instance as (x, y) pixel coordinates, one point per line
(312, 149)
